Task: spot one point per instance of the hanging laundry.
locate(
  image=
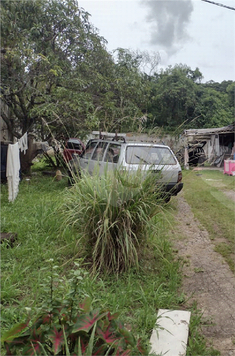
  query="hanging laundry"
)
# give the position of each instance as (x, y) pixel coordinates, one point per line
(23, 143)
(13, 171)
(4, 148)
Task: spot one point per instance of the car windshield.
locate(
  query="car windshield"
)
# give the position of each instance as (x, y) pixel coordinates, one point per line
(149, 155)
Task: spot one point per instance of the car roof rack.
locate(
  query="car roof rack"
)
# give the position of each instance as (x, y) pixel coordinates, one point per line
(103, 135)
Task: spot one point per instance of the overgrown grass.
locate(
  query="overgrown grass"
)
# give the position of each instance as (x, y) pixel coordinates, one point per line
(214, 210)
(111, 214)
(32, 217)
(136, 295)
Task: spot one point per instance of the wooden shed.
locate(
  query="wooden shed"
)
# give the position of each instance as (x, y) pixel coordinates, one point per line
(213, 145)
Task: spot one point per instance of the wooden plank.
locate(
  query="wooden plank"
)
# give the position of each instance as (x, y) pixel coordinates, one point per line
(170, 335)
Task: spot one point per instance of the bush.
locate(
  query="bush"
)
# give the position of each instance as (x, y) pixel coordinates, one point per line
(111, 214)
(66, 327)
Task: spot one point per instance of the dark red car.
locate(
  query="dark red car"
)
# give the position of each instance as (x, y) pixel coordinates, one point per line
(73, 145)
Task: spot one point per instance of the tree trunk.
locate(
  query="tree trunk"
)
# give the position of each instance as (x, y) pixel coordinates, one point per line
(34, 148)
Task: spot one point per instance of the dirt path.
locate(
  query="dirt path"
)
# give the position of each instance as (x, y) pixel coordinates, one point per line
(207, 279)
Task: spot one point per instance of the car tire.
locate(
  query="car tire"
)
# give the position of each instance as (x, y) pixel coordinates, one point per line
(167, 198)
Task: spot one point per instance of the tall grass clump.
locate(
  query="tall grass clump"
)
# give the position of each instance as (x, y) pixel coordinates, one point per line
(111, 214)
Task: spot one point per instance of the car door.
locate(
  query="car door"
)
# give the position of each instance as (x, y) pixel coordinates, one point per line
(85, 158)
(96, 163)
(111, 157)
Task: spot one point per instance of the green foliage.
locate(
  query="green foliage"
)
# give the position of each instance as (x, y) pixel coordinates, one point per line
(57, 76)
(111, 214)
(130, 91)
(213, 108)
(173, 97)
(179, 100)
(65, 326)
(58, 79)
(45, 71)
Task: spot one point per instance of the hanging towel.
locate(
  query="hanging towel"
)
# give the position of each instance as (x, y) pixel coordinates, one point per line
(13, 171)
(23, 143)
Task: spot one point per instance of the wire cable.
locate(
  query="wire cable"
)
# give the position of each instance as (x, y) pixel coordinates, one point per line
(216, 3)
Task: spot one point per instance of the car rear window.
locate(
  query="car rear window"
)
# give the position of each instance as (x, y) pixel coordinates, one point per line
(149, 155)
(72, 145)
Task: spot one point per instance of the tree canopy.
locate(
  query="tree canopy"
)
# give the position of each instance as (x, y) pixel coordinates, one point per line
(48, 66)
(179, 98)
(59, 79)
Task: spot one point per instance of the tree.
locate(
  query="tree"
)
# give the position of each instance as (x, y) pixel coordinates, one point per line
(58, 78)
(123, 91)
(173, 98)
(53, 67)
(213, 108)
(47, 48)
(130, 89)
(230, 90)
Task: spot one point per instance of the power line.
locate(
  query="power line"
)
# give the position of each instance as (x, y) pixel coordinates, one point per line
(216, 3)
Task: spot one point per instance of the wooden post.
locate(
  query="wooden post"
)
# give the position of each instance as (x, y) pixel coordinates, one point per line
(186, 158)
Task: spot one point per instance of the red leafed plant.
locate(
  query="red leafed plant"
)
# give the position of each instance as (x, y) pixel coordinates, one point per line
(88, 333)
(70, 328)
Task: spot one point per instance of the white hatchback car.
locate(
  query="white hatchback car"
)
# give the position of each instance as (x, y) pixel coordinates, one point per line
(109, 154)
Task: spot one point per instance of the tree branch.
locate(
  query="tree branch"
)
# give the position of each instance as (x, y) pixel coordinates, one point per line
(9, 125)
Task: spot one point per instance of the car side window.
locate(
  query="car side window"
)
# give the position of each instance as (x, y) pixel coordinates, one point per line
(99, 151)
(89, 150)
(112, 153)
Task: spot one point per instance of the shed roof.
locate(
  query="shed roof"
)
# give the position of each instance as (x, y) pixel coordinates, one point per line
(211, 131)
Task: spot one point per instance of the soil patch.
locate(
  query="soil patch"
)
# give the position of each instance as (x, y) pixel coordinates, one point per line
(230, 194)
(207, 280)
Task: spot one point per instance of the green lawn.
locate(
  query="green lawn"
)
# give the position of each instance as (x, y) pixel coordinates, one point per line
(205, 191)
(136, 295)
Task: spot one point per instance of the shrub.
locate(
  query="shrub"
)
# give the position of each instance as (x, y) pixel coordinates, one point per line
(111, 214)
(65, 327)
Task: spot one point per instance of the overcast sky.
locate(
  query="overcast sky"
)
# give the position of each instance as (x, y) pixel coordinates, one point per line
(191, 32)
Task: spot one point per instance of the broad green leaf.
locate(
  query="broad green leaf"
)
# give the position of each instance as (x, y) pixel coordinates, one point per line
(11, 334)
(89, 350)
(128, 336)
(86, 305)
